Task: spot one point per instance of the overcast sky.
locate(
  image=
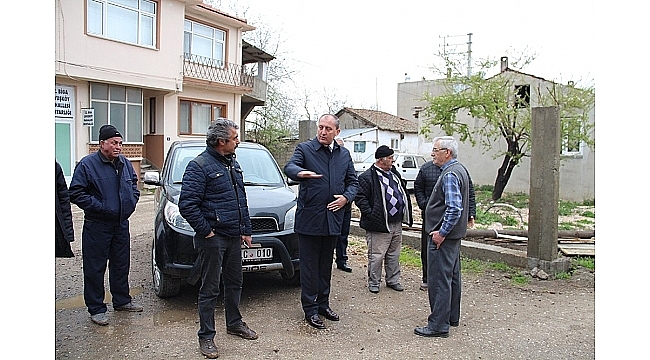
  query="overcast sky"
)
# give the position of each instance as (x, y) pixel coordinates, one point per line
(362, 48)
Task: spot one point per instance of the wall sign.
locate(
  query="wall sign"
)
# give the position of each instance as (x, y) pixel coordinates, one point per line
(88, 116)
(63, 100)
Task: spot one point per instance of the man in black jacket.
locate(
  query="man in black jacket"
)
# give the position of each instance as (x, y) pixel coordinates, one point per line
(384, 205)
(213, 201)
(105, 186)
(64, 229)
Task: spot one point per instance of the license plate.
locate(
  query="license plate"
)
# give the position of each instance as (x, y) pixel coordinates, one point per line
(256, 254)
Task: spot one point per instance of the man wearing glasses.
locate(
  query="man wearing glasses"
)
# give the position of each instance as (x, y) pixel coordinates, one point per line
(447, 214)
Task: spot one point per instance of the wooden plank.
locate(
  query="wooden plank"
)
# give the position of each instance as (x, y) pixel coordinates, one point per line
(514, 237)
(578, 249)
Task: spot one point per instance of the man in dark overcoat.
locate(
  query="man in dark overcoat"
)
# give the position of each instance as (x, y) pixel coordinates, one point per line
(327, 183)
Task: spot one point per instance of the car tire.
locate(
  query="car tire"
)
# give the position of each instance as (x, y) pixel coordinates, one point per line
(294, 280)
(164, 285)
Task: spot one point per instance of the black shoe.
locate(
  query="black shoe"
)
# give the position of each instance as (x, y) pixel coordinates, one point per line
(425, 331)
(396, 287)
(208, 349)
(315, 321)
(344, 267)
(329, 314)
(242, 330)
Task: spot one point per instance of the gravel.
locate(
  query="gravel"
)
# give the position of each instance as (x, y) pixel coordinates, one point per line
(544, 319)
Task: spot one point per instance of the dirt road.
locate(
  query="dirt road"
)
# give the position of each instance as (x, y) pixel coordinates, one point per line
(542, 320)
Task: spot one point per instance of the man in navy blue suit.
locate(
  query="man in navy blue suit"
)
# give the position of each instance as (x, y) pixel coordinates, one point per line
(327, 184)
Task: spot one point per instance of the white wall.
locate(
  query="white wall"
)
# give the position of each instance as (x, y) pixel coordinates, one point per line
(577, 174)
(376, 138)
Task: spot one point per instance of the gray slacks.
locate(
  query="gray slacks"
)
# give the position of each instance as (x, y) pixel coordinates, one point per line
(384, 249)
(444, 284)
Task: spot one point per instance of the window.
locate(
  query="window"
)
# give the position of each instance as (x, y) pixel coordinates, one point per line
(131, 21)
(571, 130)
(359, 146)
(522, 96)
(394, 144)
(195, 117)
(119, 106)
(204, 44)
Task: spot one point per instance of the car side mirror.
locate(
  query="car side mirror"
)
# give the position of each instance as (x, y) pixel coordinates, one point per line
(292, 182)
(152, 178)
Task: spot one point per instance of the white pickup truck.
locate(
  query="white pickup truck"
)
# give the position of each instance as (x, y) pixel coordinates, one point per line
(408, 165)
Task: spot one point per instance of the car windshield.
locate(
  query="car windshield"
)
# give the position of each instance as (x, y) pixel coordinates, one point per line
(258, 166)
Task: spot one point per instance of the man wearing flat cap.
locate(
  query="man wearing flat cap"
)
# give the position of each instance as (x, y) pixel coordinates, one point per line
(105, 186)
(384, 205)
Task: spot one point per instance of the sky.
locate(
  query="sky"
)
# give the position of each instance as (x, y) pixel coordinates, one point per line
(362, 49)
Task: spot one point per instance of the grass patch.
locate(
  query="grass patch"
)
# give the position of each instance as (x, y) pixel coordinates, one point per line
(566, 208)
(589, 214)
(409, 256)
(589, 202)
(520, 279)
(471, 266)
(585, 262)
(563, 276)
(501, 266)
(585, 222)
(566, 226)
(486, 217)
(518, 200)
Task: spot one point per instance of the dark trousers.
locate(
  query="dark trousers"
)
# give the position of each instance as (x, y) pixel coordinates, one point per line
(219, 256)
(316, 254)
(102, 243)
(444, 284)
(424, 245)
(342, 240)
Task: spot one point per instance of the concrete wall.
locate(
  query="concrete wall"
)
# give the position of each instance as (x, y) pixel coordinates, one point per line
(577, 173)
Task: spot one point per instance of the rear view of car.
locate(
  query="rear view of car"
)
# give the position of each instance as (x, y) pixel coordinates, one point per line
(271, 203)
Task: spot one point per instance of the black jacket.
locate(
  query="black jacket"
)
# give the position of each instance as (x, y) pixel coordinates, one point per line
(107, 191)
(339, 178)
(371, 202)
(426, 180)
(64, 230)
(213, 197)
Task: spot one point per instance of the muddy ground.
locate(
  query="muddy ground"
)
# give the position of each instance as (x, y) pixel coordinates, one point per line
(552, 319)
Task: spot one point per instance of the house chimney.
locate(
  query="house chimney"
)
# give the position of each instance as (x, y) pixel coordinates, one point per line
(504, 63)
(448, 73)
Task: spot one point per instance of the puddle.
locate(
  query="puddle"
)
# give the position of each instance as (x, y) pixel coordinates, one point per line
(78, 301)
(172, 316)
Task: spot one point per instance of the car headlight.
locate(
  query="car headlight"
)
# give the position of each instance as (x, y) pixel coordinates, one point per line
(174, 218)
(290, 218)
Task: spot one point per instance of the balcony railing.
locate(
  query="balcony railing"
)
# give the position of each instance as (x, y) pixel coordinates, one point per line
(203, 68)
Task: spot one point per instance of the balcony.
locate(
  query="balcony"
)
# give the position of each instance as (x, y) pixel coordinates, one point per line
(212, 71)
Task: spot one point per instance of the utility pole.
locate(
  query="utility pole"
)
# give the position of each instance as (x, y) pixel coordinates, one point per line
(445, 52)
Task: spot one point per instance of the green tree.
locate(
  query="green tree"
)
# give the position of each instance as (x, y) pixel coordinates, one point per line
(503, 104)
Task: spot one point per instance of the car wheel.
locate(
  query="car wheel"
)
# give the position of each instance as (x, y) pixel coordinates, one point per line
(294, 280)
(164, 285)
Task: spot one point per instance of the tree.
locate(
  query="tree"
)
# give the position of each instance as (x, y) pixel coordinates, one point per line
(271, 124)
(503, 106)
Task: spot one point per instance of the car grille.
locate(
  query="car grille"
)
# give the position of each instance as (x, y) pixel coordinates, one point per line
(264, 224)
